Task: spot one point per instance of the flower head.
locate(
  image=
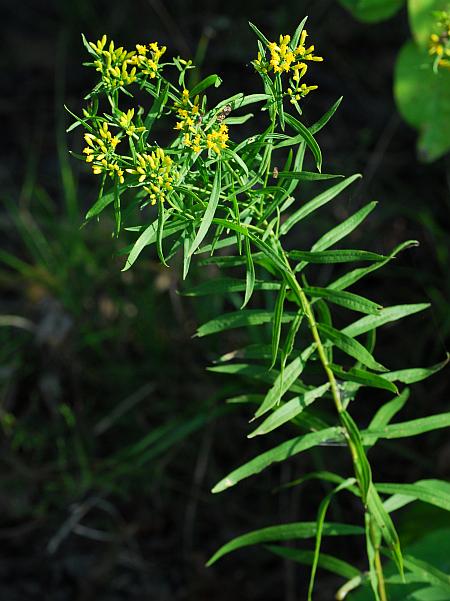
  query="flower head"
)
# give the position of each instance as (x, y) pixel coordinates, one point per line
(155, 171)
(100, 151)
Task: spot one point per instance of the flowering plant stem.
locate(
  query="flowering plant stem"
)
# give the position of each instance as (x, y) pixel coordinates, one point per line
(214, 194)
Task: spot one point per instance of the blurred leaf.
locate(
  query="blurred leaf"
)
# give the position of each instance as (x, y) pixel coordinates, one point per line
(415, 79)
(372, 11)
(422, 20)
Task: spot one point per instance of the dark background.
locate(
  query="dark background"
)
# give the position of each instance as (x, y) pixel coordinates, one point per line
(112, 431)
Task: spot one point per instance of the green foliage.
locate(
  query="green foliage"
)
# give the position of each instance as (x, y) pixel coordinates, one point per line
(423, 98)
(372, 11)
(422, 72)
(224, 197)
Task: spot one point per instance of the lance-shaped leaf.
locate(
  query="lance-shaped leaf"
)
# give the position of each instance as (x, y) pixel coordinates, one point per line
(292, 531)
(384, 316)
(320, 529)
(289, 410)
(385, 524)
(326, 562)
(350, 346)
(149, 236)
(344, 299)
(413, 427)
(335, 256)
(308, 137)
(239, 319)
(363, 377)
(280, 453)
(277, 321)
(285, 380)
(316, 203)
(434, 492)
(415, 374)
(429, 573)
(227, 285)
(348, 279)
(325, 118)
(208, 216)
(345, 228)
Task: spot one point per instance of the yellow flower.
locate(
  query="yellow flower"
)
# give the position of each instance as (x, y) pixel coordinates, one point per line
(283, 58)
(217, 140)
(148, 65)
(156, 172)
(126, 122)
(100, 151)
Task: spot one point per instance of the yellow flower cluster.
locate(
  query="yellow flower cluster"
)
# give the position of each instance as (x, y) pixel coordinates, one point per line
(190, 123)
(439, 44)
(113, 64)
(119, 67)
(126, 122)
(286, 59)
(100, 152)
(155, 169)
(217, 140)
(148, 64)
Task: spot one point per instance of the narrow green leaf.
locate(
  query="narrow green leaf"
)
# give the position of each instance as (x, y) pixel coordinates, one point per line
(260, 35)
(326, 562)
(149, 236)
(363, 377)
(325, 118)
(280, 453)
(360, 460)
(289, 410)
(307, 176)
(316, 203)
(292, 531)
(348, 279)
(239, 319)
(385, 524)
(335, 256)
(277, 321)
(104, 200)
(155, 111)
(389, 410)
(343, 229)
(308, 137)
(344, 299)
(296, 37)
(227, 285)
(285, 380)
(350, 346)
(211, 80)
(250, 274)
(416, 374)
(320, 529)
(433, 492)
(384, 316)
(159, 233)
(210, 210)
(428, 572)
(413, 427)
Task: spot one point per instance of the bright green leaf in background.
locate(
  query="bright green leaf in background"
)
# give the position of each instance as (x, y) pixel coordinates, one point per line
(371, 11)
(422, 20)
(423, 99)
